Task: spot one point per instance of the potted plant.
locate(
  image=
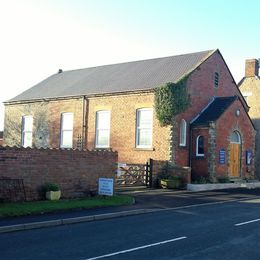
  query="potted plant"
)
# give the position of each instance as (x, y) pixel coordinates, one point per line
(172, 182)
(52, 191)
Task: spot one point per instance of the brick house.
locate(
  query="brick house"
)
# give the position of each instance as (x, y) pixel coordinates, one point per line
(113, 107)
(250, 88)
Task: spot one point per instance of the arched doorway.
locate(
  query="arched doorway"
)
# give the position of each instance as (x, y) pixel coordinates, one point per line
(235, 154)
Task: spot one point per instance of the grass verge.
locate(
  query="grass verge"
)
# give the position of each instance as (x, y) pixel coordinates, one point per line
(40, 207)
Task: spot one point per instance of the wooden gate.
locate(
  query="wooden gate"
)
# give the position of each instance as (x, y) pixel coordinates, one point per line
(135, 175)
(234, 162)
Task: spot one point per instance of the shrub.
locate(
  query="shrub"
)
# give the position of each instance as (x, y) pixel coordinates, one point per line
(201, 180)
(175, 178)
(223, 179)
(51, 187)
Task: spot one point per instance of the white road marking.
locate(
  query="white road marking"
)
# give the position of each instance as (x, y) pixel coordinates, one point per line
(137, 248)
(200, 205)
(247, 222)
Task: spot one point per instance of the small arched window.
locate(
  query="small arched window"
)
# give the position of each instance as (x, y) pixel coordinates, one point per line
(183, 130)
(235, 138)
(200, 146)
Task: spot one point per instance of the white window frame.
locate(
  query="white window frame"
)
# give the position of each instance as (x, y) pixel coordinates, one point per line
(139, 127)
(62, 130)
(27, 131)
(197, 146)
(107, 128)
(183, 132)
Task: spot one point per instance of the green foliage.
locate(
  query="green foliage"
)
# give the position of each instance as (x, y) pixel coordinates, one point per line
(163, 174)
(201, 180)
(170, 100)
(51, 187)
(223, 179)
(36, 207)
(171, 183)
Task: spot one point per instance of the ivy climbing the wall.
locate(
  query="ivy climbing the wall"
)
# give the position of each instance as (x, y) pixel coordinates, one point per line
(170, 100)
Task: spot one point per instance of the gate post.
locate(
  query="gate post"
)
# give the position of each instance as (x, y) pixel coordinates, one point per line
(147, 166)
(150, 172)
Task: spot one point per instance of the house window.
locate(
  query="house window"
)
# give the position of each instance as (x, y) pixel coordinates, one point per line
(27, 127)
(66, 130)
(200, 146)
(216, 79)
(102, 129)
(183, 129)
(144, 126)
(246, 95)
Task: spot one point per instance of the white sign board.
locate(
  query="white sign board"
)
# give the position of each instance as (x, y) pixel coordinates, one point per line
(106, 186)
(119, 172)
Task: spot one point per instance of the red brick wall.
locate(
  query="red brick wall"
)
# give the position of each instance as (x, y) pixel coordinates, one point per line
(201, 89)
(243, 126)
(55, 109)
(123, 118)
(76, 172)
(46, 121)
(209, 165)
(200, 164)
(123, 127)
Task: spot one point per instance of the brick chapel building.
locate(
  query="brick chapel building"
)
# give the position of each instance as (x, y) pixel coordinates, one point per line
(112, 106)
(250, 88)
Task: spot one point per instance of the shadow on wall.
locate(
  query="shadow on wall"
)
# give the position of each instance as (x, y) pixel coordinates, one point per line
(13, 124)
(257, 148)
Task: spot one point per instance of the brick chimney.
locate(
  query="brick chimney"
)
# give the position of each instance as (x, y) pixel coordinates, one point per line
(252, 67)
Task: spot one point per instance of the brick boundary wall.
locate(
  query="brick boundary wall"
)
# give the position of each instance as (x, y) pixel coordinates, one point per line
(75, 171)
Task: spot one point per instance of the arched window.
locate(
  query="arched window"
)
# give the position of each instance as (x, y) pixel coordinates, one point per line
(235, 138)
(200, 146)
(183, 129)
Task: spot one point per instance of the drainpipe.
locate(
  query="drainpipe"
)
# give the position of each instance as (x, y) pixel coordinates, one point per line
(190, 146)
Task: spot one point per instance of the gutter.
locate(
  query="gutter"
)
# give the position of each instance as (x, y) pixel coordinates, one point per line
(77, 97)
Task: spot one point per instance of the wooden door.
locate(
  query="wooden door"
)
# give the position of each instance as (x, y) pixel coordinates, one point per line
(234, 168)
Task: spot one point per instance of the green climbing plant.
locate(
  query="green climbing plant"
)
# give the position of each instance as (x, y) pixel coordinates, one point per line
(170, 100)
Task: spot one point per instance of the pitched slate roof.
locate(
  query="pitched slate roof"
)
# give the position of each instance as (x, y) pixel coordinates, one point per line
(130, 76)
(214, 110)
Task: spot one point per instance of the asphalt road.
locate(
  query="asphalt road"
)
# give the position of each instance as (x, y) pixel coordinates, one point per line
(228, 230)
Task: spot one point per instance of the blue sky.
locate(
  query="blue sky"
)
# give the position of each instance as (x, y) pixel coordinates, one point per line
(40, 36)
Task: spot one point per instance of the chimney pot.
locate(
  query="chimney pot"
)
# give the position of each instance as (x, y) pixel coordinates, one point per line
(252, 68)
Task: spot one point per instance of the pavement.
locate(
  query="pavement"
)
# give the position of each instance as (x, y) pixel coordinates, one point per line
(146, 201)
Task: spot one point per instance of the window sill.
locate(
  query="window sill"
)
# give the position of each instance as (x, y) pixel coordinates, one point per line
(200, 157)
(143, 149)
